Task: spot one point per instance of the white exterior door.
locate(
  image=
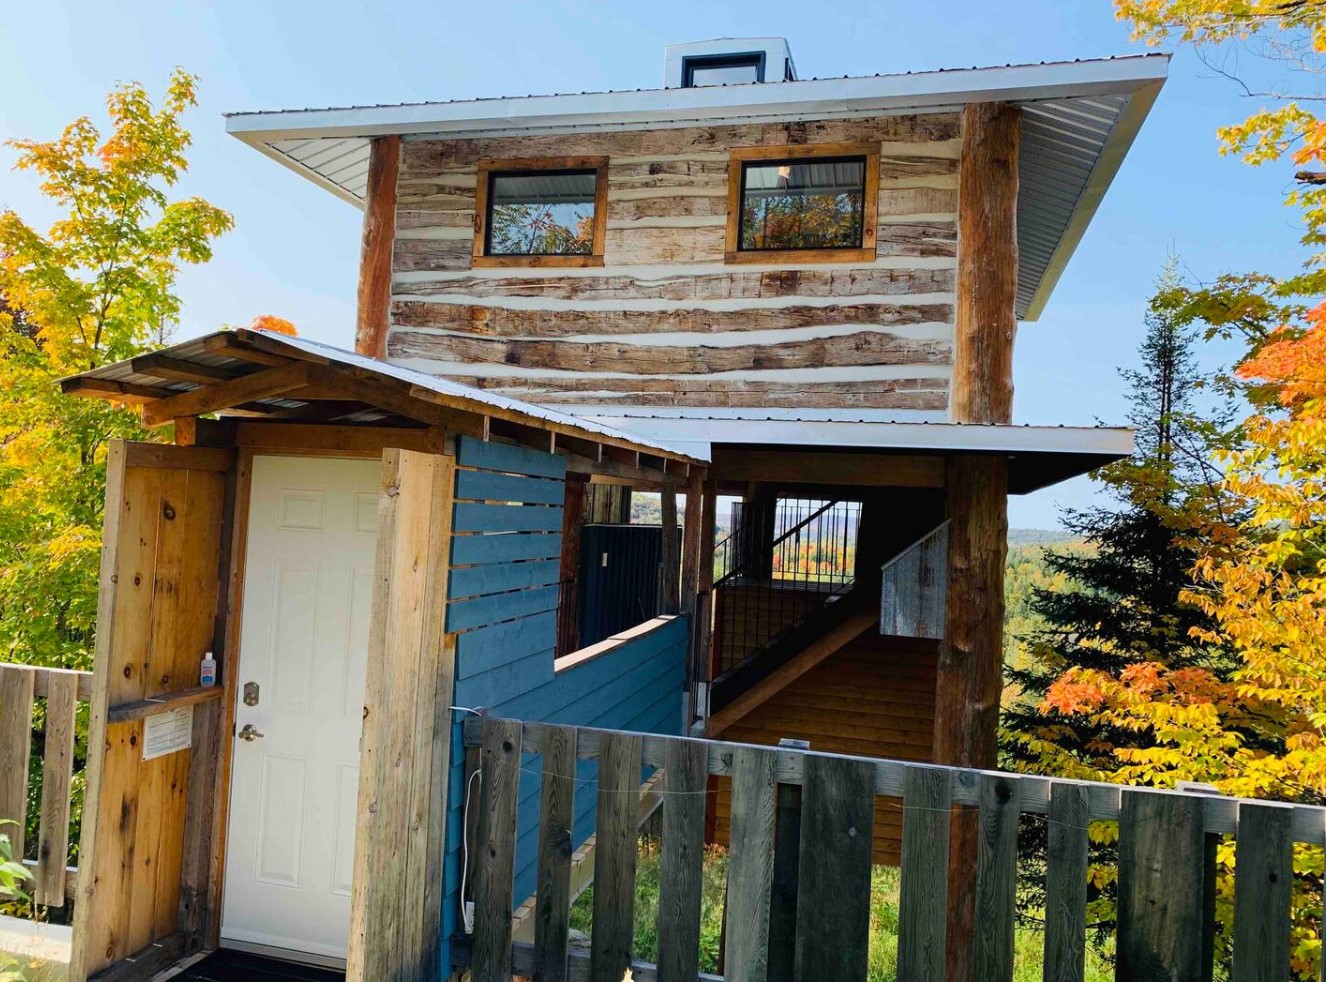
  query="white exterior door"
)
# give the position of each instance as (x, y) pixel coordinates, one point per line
(308, 587)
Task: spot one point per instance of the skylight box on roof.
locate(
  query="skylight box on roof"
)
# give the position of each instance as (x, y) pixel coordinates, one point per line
(727, 61)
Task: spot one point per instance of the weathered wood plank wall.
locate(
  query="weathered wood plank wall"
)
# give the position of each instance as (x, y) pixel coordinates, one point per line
(665, 322)
(502, 610)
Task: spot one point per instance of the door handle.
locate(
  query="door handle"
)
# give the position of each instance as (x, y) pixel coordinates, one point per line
(248, 733)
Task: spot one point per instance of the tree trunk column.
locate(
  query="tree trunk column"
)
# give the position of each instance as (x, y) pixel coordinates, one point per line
(970, 676)
(384, 164)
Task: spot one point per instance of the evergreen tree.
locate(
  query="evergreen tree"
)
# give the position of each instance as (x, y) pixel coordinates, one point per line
(1122, 604)
(1117, 595)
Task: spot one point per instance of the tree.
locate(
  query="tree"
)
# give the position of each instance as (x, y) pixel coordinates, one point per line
(97, 287)
(1117, 597)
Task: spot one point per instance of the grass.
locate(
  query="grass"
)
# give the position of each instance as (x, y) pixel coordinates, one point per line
(883, 952)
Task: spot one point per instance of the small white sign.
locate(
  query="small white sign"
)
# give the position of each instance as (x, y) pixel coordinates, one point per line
(167, 732)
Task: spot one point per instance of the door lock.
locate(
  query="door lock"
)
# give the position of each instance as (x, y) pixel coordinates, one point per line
(250, 693)
(248, 733)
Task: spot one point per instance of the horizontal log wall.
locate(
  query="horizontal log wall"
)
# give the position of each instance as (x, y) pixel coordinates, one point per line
(665, 322)
(875, 698)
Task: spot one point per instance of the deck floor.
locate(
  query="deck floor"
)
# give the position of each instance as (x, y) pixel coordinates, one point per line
(239, 966)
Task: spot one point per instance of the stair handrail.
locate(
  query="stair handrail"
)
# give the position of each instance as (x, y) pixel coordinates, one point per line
(740, 567)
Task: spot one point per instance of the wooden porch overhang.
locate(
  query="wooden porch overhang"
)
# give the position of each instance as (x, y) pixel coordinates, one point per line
(269, 391)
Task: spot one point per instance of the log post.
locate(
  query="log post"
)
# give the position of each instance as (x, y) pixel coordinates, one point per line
(670, 567)
(573, 522)
(384, 163)
(970, 676)
(692, 530)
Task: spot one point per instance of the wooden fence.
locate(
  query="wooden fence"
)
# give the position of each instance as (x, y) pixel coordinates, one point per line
(21, 686)
(799, 871)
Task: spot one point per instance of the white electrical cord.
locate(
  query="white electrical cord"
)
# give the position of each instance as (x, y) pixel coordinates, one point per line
(467, 906)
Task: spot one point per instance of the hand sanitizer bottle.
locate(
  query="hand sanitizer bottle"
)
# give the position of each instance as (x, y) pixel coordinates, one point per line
(208, 675)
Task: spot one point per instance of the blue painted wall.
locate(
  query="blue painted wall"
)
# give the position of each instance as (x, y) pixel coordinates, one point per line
(503, 600)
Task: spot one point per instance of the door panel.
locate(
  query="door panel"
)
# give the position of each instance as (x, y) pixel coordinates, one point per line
(304, 642)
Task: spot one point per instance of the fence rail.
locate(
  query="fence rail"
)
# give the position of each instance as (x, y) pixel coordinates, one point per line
(24, 691)
(798, 889)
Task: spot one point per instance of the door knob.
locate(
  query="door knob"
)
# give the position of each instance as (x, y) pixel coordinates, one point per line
(249, 733)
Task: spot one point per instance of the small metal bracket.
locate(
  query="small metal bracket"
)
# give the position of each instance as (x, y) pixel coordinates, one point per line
(250, 693)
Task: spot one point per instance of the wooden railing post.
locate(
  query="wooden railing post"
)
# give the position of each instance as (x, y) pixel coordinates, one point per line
(16, 695)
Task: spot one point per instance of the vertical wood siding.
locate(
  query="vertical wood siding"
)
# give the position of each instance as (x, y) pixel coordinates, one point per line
(503, 605)
(665, 322)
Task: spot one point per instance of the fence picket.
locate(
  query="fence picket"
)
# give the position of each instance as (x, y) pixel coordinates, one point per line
(1263, 888)
(16, 694)
(923, 899)
(996, 876)
(1161, 850)
(57, 765)
(750, 865)
(500, 766)
(833, 881)
(682, 870)
(557, 807)
(1066, 885)
(614, 861)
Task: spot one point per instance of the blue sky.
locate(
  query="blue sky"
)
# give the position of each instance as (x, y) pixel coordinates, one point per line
(295, 248)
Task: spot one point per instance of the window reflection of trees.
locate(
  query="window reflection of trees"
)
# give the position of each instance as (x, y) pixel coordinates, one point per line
(802, 220)
(538, 229)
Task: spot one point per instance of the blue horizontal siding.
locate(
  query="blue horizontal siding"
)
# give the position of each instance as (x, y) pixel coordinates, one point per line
(472, 517)
(474, 581)
(504, 582)
(486, 486)
(469, 550)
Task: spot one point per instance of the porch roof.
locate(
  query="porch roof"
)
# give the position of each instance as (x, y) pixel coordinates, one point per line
(264, 376)
(1038, 456)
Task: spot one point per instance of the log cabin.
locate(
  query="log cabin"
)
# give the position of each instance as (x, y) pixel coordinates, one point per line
(794, 298)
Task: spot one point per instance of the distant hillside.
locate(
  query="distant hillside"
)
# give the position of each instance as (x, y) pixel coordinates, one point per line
(1039, 537)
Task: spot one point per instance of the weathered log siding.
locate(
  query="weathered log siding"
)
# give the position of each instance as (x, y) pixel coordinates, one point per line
(665, 322)
(503, 610)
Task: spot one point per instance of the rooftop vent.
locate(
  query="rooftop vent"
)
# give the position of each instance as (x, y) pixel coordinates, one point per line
(728, 61)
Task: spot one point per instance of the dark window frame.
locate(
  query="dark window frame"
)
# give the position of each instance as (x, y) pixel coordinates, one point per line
(801, 154)
(734, 59)
(487, 170)
(746, 165)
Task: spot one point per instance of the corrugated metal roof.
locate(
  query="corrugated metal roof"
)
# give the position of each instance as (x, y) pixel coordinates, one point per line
(475, 400)
(1079, 118)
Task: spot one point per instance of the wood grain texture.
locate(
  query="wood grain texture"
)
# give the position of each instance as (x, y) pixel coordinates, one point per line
(987, 265)
(667, 210)
(1160, 900)
(57, 766)
(750, 865)
(833, 878)
(786, 883)
(996, 877)
(496, 848)
(556, 817)
(670, 555)
(504, 322)
(923, 900)
(16, 695)
(681, 876)
(378, 236)
(863, 348)
(614, 865)
(1066, 885)
(1263, 892)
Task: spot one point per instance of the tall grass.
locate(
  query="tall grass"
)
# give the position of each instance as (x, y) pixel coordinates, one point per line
(883, 951)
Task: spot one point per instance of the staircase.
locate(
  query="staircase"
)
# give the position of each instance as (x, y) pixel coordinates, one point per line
(784, 608)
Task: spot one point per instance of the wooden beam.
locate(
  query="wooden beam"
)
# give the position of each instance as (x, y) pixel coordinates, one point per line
(669, 584)
(811, 466)
(986, 314)
(166, 366)
(364, 386)
(223, 395)
(817, 652)
(969, 680)
(235, 347)
(104, 388)
(351, 440)
(384, 162)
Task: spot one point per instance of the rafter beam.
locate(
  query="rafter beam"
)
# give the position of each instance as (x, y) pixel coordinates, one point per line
(224, 395)
(104, 388)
